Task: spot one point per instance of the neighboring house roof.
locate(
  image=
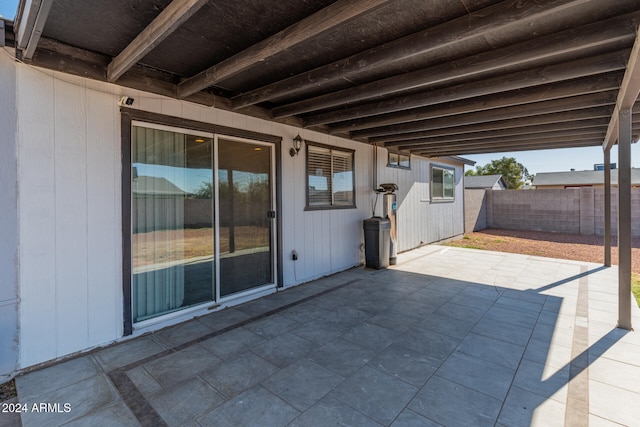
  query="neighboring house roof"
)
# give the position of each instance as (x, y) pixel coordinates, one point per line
(461, 160)
(578, 178)
(484, 181)
(151, 185)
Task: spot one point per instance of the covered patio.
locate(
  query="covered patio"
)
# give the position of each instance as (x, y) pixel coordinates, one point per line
(448, 336)
(429, 78)
(445, 337)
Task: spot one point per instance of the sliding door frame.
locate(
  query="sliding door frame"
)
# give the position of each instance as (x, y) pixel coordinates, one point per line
(127, 117)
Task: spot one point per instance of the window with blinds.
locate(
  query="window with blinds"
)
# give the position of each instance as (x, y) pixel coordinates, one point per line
(442, 184)
(330, 182)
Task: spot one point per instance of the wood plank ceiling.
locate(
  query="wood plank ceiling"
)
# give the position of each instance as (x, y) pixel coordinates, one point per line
(430, 77)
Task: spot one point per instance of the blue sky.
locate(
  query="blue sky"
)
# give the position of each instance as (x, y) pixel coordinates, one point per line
(534, 161)
(8, 8)
(558, 160)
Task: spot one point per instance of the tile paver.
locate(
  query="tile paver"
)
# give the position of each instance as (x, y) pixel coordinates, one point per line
(448, 336)
(303, 383)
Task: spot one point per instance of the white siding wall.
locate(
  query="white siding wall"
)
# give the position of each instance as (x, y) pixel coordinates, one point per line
(69, 169)
(70, 228)
(8, 221)
(419, 220)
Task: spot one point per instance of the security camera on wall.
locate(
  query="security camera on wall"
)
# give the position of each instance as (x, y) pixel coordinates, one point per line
(125, 101)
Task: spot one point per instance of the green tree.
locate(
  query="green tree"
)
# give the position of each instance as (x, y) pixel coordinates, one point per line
(513, 173)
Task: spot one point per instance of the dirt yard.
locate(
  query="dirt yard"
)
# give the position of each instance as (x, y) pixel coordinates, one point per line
(553, 245)
(174, 245)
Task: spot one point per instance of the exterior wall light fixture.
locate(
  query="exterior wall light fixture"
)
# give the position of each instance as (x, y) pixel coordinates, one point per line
(297, 145)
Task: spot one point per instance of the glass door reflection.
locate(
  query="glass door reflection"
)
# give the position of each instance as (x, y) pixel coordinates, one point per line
(245, 203)
(173, 256)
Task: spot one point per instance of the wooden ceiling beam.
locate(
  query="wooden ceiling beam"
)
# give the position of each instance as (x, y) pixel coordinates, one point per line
(167, 21)
(612, 34)
(54, 55)
(599, 64)
(568, 144)
(575, 88)
(562, 119)
(627, 96)
(31, 22)
(515, 133)
(533, 137)
(435, 43)
(331, 16)
(462, 150)
(603, 99)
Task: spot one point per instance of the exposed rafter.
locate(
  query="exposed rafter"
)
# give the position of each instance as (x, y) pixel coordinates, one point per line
(572, 134)
(435, 43)
(549, 145)
(513, 134)
(494, 70)
(331, 16)
(176, 13)
(591, 39)
(469, 116)
(628, 94)
(600, 64)
(590, 90)
(31, 23)
(562, 120)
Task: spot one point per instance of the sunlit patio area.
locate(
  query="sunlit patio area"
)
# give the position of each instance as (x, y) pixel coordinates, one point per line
(448, 336)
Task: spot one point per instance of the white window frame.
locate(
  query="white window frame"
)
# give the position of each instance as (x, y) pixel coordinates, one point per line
(442, 197)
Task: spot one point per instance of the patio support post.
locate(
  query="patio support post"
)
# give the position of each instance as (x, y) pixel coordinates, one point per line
(607, 207)
(624, 219)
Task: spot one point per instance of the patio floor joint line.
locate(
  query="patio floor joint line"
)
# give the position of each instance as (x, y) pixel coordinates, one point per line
(140, 406)
(577, 408)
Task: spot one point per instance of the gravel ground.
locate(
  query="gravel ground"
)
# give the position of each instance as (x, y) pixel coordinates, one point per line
(553, 245)
(8, 391)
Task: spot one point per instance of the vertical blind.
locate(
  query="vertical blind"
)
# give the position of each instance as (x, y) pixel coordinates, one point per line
(158, 209)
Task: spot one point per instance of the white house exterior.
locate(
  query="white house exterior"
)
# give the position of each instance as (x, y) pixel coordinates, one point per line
(65, 264)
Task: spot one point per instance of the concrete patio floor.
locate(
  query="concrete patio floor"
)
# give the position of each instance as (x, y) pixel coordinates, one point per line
(449, 336)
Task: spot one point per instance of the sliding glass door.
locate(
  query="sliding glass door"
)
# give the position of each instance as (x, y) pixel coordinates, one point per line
(201, 211)
(246, 255)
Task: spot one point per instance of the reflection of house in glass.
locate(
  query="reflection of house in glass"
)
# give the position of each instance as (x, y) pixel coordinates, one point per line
(159, 198)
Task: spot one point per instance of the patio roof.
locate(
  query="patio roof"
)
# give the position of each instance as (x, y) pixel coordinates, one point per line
(428, 77)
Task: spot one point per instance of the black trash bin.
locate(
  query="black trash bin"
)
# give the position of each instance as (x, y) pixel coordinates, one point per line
(376, 242)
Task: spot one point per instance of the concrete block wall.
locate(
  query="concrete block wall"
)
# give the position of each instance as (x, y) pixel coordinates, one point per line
(475, 206)
(573, 211)
(539, 210)
(587, 211)
(599, 212)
